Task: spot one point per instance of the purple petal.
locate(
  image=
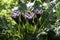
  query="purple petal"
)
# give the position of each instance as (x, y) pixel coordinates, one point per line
(14, 15)
(36, 10)
(32, 14)
(18, 13)
(29, 16)
(40, 11)
(26, 15)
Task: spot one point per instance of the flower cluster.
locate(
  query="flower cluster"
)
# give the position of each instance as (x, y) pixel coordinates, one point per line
(16, 14)
(28, 15)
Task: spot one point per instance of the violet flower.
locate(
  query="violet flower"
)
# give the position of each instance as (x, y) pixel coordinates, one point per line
(37, 11)
(16, 14)
(29, 16)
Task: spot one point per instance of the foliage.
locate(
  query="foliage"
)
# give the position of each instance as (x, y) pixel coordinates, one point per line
(45, 26)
